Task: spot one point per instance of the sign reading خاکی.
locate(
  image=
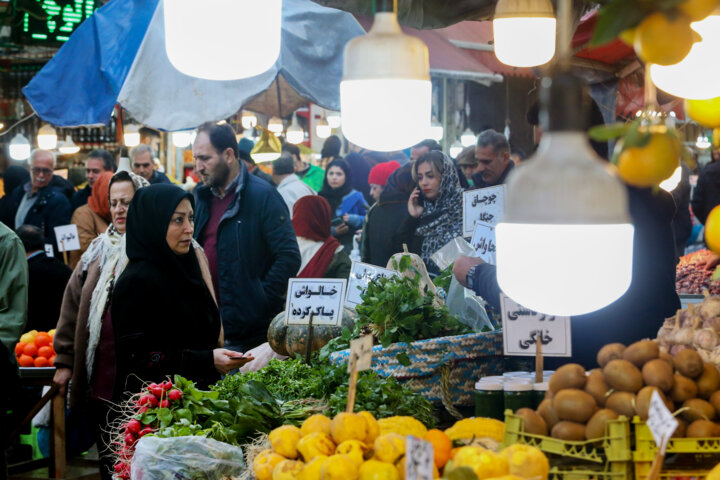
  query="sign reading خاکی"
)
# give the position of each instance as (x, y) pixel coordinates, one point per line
(524, 328)
(317, 297)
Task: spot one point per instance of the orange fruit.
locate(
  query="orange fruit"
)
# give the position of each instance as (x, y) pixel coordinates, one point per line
(42, 339)
(51, 361)
(698, 9)
(45, 352)
(662, 40)
(30, 350)
(25, 361)
(649, 165)
(442, 446)
(19, 347)
(712, 230)
(41, 362)
(704, 112)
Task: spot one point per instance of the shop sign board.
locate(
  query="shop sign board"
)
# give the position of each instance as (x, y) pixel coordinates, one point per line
(483, 241)
(361, 274)
(483, 205)
(317, 297)
(524, 328)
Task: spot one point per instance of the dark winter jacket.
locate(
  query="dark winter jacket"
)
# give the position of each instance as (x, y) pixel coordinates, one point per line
(682, 222)
(48, 279)
(478, 181)
(707, 192)
(257, 253)
(159, 177)
(80, 197)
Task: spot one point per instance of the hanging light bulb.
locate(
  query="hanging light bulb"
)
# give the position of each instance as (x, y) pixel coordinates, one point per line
(334, 119)
(436, 130)
(455, 149)
(68, 147)
(184, 138)
(19, 148)
(694, 77)
(385, 94)
(275, 125)
(524, 32)
(193, 51)
(47, 137)
(131, 135)
(702, 142)
(124, 165)
(294, 134)
(563, 207)
(468, 138)
(248, 120)
(671, 183)
(267, 149)
(322, 128)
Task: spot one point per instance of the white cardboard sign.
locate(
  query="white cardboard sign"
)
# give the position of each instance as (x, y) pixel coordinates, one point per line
(361, 353)
(523, 328)
(419, 459)
(661, 422)
(322, 298)
(483, 241)
(360, 276)
(49, 250)
(483, 205)
(67, 237)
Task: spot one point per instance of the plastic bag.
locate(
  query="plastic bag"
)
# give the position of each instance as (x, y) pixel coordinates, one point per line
(455, 248)
(192, 458)
(469, 308)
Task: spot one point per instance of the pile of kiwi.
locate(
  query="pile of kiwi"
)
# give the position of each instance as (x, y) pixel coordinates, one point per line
(579, 404)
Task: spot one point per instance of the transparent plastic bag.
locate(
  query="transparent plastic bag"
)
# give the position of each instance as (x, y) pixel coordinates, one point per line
(192, 458)
(447, 255)
(468, 307)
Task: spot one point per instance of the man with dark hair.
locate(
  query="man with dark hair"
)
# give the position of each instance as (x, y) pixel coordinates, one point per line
(290, 187)
(98, 161)
(244, 226)
(48, 278)
(142, 159)
(245, 146)
(311, 174)
(427, 145)
(492, 153)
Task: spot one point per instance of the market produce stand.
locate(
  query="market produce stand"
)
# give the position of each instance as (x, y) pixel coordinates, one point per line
(56, 463)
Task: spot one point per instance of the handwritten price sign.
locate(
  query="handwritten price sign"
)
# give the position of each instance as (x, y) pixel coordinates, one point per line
(485, 205)
(483, 241)
(361, 275)
(321, 298)
(67, 238)
(524, 329)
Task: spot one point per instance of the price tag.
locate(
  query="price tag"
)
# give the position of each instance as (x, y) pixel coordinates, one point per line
(49, 250)
(483, 205)
(661, 422)
(523, 328)
(419, 459)
(361, 353)
(319, 297)
(67, 238)
(360, 276)
(483, 241)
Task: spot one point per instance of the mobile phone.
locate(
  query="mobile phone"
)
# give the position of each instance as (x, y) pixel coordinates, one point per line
(337, 221)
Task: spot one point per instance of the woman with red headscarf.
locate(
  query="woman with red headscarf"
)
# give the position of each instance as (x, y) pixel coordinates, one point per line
(92, 219)
(322, 255)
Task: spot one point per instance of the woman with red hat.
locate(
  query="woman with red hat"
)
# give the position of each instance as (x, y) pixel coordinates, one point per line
(379, 176)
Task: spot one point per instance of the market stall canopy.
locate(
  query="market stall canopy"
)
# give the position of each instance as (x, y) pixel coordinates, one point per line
(118, 56)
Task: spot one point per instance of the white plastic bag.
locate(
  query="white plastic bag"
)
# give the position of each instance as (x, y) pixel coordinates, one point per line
(455, 248)
(196, 458)
(469, 308)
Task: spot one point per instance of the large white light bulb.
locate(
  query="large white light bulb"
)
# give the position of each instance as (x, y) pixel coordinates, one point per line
(275, 125)
(19, 147)
(131, 135)
(294, 134)
(468, 138)
(524, 32)
(671, 183)
(47, 137)
(68, 147)
(248, 120)
(183, 139)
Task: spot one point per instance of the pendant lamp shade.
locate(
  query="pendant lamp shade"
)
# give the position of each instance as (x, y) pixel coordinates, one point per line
(131, 135)
(19, 148)
(68, 147)
(47, 137)
(295, 134)
(248, 120)
(267, 149)
(524, 32)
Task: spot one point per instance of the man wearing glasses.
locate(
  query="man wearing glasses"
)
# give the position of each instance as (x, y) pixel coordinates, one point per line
(36, 202)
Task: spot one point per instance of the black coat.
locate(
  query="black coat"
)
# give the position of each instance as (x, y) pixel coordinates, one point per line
(48, 278)
(682, 222)
(707, 192)
(80, 197)
(382, 236)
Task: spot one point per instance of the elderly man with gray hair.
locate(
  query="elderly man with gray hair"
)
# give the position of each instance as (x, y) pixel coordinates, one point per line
(143, 164)
(289, 185)
(37, 202)
(492, 153)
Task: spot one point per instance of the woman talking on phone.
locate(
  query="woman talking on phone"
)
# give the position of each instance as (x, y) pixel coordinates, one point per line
(435, 207)
(347, 205)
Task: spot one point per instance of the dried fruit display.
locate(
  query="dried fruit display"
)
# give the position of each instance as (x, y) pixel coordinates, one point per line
(692, 277)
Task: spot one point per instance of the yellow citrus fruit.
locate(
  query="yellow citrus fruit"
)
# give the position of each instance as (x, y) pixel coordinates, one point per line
(313, 469)
(402, 425)
(265, 463)
(375, 470)
(712, 230)
(704, 112)
(287, 470)
(354, 449)
(716, 137)
(284, 440)
(527, 462)
(662, 40)
(485, 463)
(27, 338)
(339, 467)
(628, 36)
(698, 9)
(316, 423)
(317, 443)
(373, 427)
(349, 426)
(649, 165)
(389, 447)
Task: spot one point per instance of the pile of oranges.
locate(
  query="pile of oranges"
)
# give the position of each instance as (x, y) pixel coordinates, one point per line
(35, 349)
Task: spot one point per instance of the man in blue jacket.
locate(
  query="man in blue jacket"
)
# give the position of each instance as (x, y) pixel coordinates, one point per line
(244, 226)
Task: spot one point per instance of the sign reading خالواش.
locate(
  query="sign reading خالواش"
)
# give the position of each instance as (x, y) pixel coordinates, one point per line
(317, 297)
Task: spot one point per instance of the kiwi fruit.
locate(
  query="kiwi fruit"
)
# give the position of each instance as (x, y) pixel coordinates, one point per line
(570, 431)
(611, 351)
(642, 402)
(570, 375)
(681, 428)
(547, 412)
(683, 389)
(622, 403)
(698, 409)
(534, 423)
(689, 363)
(597, 387)
(658, 373)
(715, 401)
(709, 381)
(574, 405)
(639, 353)
(668, 358)
(701, 429)
(595, 427)
(623, 376)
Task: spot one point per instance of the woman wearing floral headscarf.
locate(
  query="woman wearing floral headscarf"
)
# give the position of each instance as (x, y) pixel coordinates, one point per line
(84, 343)
(92, 219)
(435, 207)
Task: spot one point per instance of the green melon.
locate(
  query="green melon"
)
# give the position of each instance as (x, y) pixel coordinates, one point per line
(291, 340)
